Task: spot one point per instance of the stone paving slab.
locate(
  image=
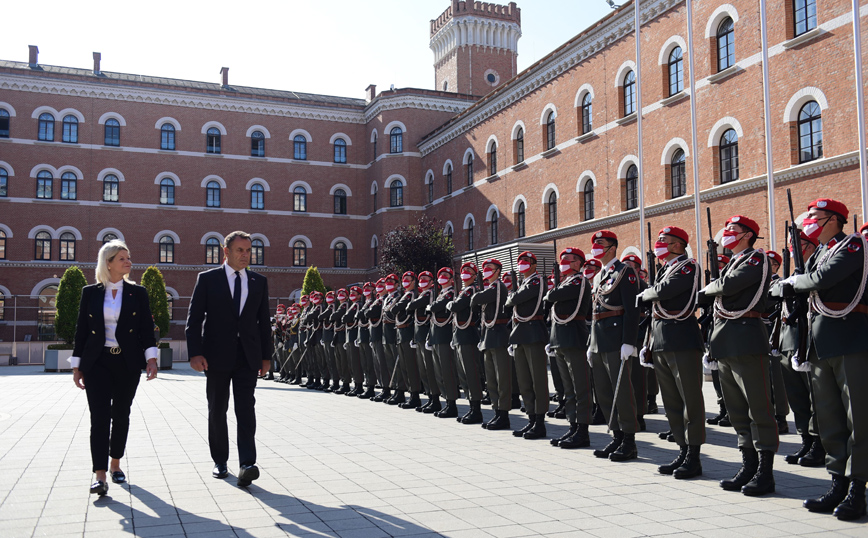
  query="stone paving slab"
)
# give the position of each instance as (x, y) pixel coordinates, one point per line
(341, 467)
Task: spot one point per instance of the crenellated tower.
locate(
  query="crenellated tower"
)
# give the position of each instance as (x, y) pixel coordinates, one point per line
(475, 46)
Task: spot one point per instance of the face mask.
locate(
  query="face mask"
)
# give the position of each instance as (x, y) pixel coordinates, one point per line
(330, 300)
(550, 284)
(354, 297)
(317, 300)
(406, 283)
(813, 229)
(508, 283)
(588, 274)
(597, 251)
(366, 293)
(443, 281)
(390, 287)
(380, 289)
(424, 284)
(303, 302)
(661, 249)
(523, 267)
(565, 267)
(466, 276)
(730, 238)
(487, 273)
(342, 297)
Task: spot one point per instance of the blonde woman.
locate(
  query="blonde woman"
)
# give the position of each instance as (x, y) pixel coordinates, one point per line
(114, 341)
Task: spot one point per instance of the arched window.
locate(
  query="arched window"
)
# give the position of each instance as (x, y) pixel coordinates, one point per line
(725, 44)
(552, 207)
(810, 132)
(110, 188)
(374, 198)
(44, 181)
(448, 179)
(299, 199)
(212, 140)
(492, 160)
(396, 140)
(340, 202)
(2, 245)
(299, 144)
(468, 167)
(492, 228)
(70, 129)
(340, 151)
(43, 246)
(257, 144)
(257, 196)
(678, 175)
(550, 130)
(46, 127)
(4, 182)
(587, 113)
(112, 132)
(212, 194)
(376, 252)
(519, 220)
(167, 249)
(340, 254)
(805, 16)
(589, 200)
(299, 254)
(108, 237)
(676, 71)
(67, 247)
(629, 93)
(167, 137)
(729, 156)
(212, 251)
(632, 184)
(449, 232)
(4, 123)
(167, 191)
(68, 186)
(470, 229)
(430, 189)
(519, 146)
(396, 193)
(257, 252)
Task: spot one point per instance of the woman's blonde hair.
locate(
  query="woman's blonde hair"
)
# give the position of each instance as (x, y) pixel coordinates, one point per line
(107, 254)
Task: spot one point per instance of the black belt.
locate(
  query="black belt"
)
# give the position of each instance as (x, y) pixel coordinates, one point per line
(112, 350)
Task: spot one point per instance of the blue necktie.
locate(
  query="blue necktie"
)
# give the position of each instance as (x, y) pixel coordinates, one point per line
(236, 295)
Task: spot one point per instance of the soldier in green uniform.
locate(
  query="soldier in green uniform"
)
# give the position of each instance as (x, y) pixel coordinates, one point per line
(373, 313)
(614, 334)
(722, 417)
(407, 363)
(440, 339)
(779, 392)
(365, 350)
(429, 369)
(354, 355)
(396, 379)
(465, 341)
(304, 306)
(740, 345)
(339, 344)
(676, 349)
(316, 360)
(835, 285)
(568, 339)
(639, 375)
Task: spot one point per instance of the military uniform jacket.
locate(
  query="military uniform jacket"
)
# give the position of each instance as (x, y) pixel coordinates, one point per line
(314, 332)
(833, 278)
(328, 327)
(373, 312)
(390, 333)
(527, 303)
(403, 317)
(615, 293)
(674, 291)
(439, 314)
(351, 322)
(337, 318)
(362, 320)
(564, 299)
(737, 286)
(464, 316)
(421, 322)
(487, 300)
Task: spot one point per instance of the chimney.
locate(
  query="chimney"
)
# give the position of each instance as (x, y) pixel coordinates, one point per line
(96, 59)
(225, 72)
(370, 92)
(34, 55)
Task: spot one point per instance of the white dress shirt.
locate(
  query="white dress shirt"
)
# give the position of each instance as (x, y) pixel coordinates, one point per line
(230, 276)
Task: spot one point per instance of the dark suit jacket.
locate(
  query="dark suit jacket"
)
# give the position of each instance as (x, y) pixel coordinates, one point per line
(216, 335)
(134, 333)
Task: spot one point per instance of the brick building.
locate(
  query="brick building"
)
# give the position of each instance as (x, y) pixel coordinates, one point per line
(500, 157)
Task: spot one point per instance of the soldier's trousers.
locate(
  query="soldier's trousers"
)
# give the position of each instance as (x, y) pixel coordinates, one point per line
(531, 368)
(448, 371)
(471, 363)
(576, 377)
(328, 362)
(394, 377)
(343, 363)
(842, 412)
(606, 367)
(407, 364)
(355, 360)
(381, 367)
(498, 377)
(366, 355)
(779, 391)
(679, 374)
(432, 375)
(798, 387)
(653, 386)
(745, 383)
(639, 381)
(556, 374)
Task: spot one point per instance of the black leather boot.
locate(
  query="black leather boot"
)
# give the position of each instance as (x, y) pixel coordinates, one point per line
(676, 463)
(652, 405)
(664, 435)
(397, 398)
(413, 402)
(828, 501)
(627, 450)
(816, 456)
(422, 408)
(558, 409)
(474, 416)
(522, 431)
(450, 411)
(579, 439)
(617, 438)
(598, 417)
(641, 420)
(853, 507)
(486, 399)
(538, 431)
(692, 465)
(782, 424)
(500, 422)
(749, 465)
(725, 422)
(384, 395)
(715, 420)
(807, 441)
(516, 402)
(336, 386)
(572, 430)
(433, 405)
(368, 394)
(763, 481)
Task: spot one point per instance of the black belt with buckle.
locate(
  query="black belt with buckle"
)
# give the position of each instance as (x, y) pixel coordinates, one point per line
(114, 350)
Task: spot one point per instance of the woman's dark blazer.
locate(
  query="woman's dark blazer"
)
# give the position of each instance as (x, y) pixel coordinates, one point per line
(134, 333)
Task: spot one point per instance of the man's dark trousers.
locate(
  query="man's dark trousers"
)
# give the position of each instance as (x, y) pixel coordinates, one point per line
(243, 380)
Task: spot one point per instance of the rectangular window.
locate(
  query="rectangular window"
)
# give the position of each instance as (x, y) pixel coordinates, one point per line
(4, 126)
(70, 132)
(805, 16)
(68, 189)
(167, 140)
(110, 191)
(43, 188)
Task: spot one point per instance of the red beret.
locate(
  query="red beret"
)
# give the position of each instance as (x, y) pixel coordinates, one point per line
(380, 281)
(368, 285)
(356, 289)
(330, 293)
(864, 227)
(675, 231)
(469, 265)
(741, 220)
(494, 261)
(281, 307)
(722, 258)
(774, 256)
(605, 234)
(574, 251)
(632, 258)
(410, 274)
(827, 204)
(593, 262)
(391, 276)
(426, 274)
(447, 270)
(527, 254)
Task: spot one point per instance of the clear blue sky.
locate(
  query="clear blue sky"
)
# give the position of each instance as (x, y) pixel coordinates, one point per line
(334, 47)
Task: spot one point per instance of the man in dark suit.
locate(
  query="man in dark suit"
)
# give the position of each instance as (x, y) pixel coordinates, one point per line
(229, 338)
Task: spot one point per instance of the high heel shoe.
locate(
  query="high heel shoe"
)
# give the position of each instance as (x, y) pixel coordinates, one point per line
(99, 487)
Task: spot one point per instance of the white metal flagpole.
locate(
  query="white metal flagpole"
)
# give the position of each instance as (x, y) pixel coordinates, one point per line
(770, 171)
(860, 107)
(695, 148)
(641, 179)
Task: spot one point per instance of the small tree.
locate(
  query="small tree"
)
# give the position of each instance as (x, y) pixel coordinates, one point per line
(416, 247)
(67, 303)
(312, 281)
(153, 281)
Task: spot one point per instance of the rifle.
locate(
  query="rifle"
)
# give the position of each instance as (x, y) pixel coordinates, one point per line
(713, 269)
(651, 259)
(557, 268)
(478, 282)
(775, 338)
(800, 310)
(512, 276)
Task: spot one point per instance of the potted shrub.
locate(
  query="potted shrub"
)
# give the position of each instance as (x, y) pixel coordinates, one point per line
(67, 303)
(153, 281)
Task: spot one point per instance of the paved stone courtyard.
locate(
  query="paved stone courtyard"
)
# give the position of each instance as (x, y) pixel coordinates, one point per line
(342, 467)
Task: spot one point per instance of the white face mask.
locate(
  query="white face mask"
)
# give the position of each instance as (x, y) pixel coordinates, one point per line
(366, 293)
(589, 273)
(661, 251)
(466, 276)
(564, 267)
(442, 280)
(406, 283)
(390, 287)
(598, 252)
(487, 273)
(730, 239)
(523, 267)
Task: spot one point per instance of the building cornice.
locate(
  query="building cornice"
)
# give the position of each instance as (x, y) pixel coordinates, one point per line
(384, 103)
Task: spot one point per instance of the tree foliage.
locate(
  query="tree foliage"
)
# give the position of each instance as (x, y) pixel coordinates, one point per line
(67, 303)
(153, 281)
(312, 281)
(416, 247)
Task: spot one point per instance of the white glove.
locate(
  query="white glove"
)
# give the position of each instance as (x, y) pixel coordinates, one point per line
(345, 345)
(549, 351)
(804, 367)
(511, 350)
(627, 351)
(428, 346)
(642, 354)
(413, 344)
(294, 346)
(708, 363)
(776, 353)
(357, 343)
(452, 344)
(590, 355)
(789, 280)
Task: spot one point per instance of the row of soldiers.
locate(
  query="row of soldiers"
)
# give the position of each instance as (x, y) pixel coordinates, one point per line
(494, 335)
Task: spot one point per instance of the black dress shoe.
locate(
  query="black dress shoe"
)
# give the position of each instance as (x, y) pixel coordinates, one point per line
(99, 487)
(220, 470)
(118, 477)
(247, 474)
